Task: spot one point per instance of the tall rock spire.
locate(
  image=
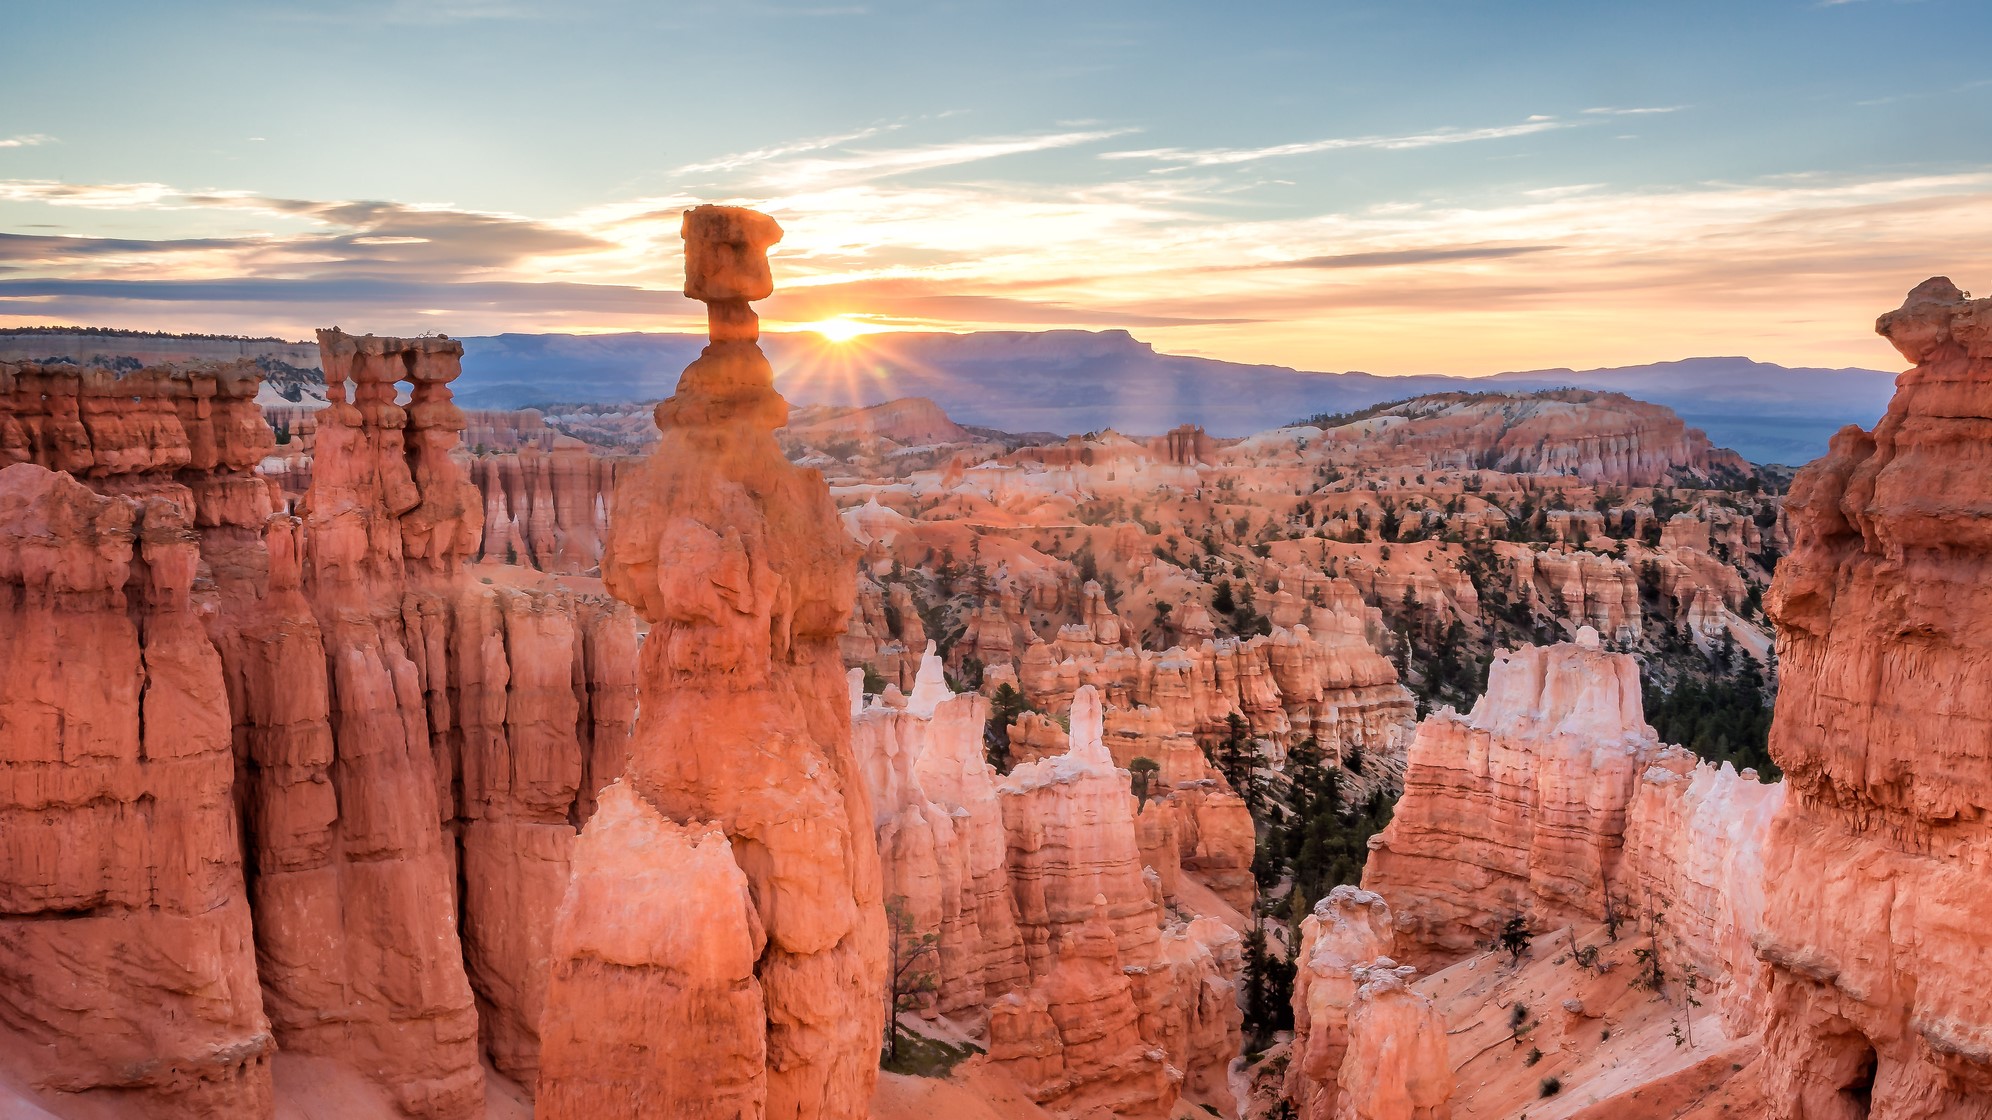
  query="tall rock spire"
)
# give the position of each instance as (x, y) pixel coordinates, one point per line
(721, 949)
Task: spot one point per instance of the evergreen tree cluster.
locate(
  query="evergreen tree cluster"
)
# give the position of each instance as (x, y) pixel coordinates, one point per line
(1723, 718)
(1321, 844)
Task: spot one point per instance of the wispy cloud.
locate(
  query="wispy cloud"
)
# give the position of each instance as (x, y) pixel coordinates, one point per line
(1395, 258)
(27, 140)
(100, 196)
(1215, 157)
(738, 160)
(878, 163)
(1642, 111)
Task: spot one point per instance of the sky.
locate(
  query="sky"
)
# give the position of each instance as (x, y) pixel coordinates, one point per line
(1397, 186)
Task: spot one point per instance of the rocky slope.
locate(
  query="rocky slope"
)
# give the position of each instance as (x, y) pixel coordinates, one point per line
(1829, 928)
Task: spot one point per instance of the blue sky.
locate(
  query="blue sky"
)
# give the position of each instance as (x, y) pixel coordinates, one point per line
(1401, 187)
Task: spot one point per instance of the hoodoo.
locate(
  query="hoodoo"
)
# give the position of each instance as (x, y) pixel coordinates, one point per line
(721, 948)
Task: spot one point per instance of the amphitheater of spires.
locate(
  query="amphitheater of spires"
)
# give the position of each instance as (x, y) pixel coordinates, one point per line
(381, 760)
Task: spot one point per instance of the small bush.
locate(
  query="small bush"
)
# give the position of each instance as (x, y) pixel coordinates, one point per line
(1551, 1086)
(1535, 1055)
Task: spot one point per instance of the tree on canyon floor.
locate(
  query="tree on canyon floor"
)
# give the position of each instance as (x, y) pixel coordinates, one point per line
(1268, 989)
(911, 978)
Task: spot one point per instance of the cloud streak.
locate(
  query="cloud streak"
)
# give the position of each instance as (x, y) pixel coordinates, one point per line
(1218, 157)
(739, 160)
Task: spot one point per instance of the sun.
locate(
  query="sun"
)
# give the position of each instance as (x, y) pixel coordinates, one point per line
(839, 328)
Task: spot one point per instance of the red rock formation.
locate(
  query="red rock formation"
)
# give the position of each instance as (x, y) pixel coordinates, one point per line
(1070, 820)
(1876, 915)
(1397, 1066)
(1694, 840)
(398, 732)
(541, 720)
(548, 509)
(742, 746)
(940, 837)
(1075, 1041)
(126, 962)
(1523, 807)
(1076, 860)
(1583, 588)
(358, 895)
(1349, 928)
(1323, 681)
(1599, 437)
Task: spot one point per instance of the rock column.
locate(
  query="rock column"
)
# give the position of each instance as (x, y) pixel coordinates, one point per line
(721, 948)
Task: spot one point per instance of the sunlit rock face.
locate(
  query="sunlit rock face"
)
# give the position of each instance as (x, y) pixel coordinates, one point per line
(1600, 437)
(1554, 801)
(1518, 807)
(435, 779)
(324, 718)
(1320, 679)
(742, 750)
(1075, 1040)
(127, 962)
(1876, 909)
(546, 508)
(357, 892)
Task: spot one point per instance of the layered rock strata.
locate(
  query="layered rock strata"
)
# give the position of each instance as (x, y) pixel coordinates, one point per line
(1554, 802)
(1348, 929)
(1077, 867)
(127, 961)
(354, 870)
(1398, 1066)
(546, 508)
(741, 786)
(1014, 879)
(1323, 681)
(1518, 807)
(1876, 909)
(383, 759)
(944, 853)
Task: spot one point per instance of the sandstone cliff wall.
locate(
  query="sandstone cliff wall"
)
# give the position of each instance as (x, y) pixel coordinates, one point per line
(127, 963)
(1876, 910)
(389, 731)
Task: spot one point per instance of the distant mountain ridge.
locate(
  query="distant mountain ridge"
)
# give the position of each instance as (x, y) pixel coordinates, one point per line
(1077, 381)
(1073, 380)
